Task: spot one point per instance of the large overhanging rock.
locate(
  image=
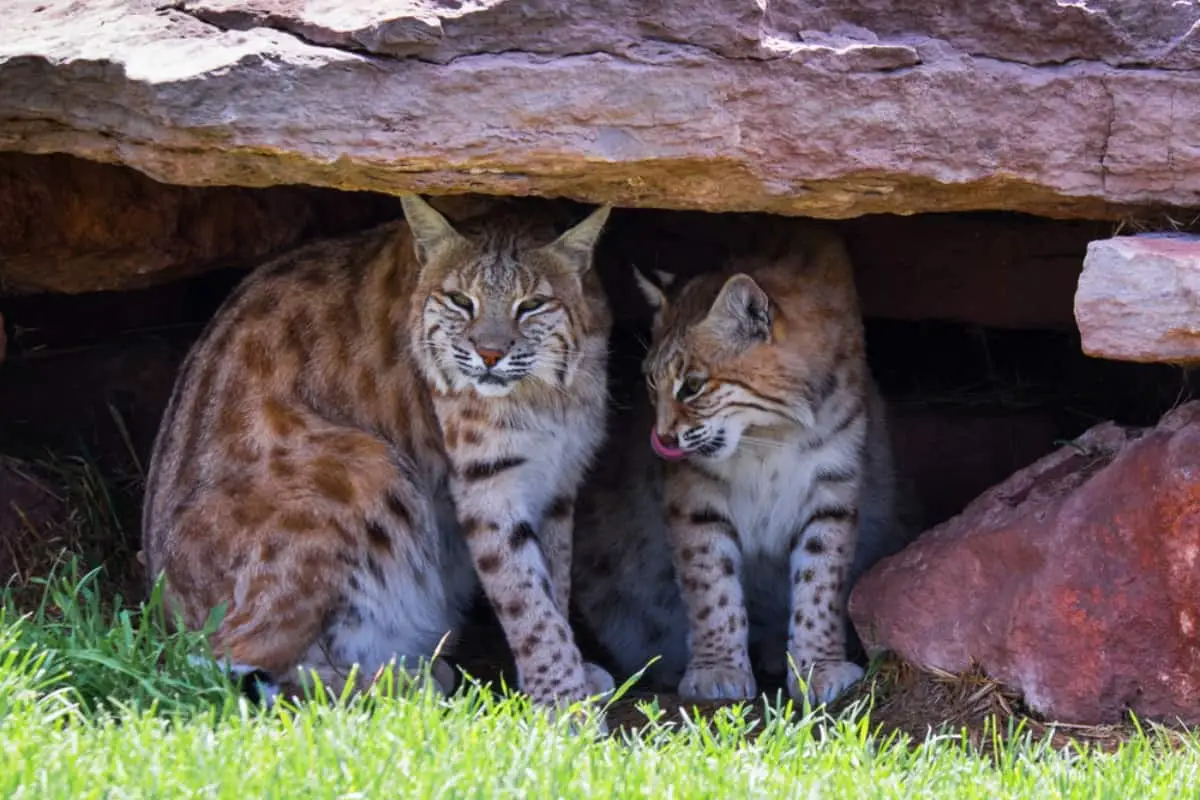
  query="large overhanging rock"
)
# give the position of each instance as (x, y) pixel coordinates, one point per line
(830, 108)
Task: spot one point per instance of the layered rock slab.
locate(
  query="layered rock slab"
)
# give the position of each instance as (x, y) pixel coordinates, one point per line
(1075, 581)
(827, 108)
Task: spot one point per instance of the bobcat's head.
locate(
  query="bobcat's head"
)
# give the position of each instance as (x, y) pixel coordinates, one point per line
(734, 353)
(503, 301)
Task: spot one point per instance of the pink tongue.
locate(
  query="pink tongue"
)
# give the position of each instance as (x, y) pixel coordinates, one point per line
(669, 453)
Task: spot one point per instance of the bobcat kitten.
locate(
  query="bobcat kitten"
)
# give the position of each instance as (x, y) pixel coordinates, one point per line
(744, 533)
(367, 425)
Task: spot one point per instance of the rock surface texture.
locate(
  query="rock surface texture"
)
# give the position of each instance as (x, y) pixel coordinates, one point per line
(828, 108)
(1076, 581)
(1139, 298)
(72, 225)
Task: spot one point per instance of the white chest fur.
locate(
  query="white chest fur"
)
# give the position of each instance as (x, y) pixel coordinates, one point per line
(771, 486)
(768, 488)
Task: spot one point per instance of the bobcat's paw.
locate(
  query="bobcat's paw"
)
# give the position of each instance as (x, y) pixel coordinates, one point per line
(823, 682)
(717, 683)
(579, 711)
(573, 696)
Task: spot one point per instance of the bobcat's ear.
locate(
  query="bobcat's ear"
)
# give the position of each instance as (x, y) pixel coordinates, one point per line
(430, 230)
(742, 311)
(576, 247)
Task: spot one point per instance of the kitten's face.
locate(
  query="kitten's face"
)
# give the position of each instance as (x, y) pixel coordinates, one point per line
(713, 370)
(502, 303)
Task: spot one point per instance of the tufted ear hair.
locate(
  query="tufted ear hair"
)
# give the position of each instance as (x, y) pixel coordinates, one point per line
(430, 230)
(576, 247)
(742, 311)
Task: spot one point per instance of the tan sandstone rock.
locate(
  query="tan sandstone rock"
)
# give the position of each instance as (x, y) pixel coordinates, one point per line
(1076, 581)
(829, 108)
(1139, 298)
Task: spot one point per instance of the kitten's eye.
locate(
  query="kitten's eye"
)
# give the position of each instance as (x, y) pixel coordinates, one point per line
(691, 387)
(530, 305)
(461, 300)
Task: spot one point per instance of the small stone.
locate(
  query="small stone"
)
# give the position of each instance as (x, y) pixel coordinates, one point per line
(1076, 581)
(1139, 298)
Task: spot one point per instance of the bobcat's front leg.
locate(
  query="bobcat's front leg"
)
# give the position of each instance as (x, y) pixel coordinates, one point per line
(821, 553)
(558, 526)
(708, 558)
(502, 535)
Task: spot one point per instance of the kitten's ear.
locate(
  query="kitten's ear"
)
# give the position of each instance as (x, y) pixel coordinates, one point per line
(742, 309)
(430, 230)
(576, 246)
(655, 296)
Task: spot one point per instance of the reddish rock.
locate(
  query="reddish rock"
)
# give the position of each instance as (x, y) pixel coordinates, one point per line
(1075, 581)
(829, 108)
(1139, 298)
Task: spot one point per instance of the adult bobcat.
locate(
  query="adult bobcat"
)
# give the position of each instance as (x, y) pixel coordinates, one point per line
(773, 485)
(369, 423)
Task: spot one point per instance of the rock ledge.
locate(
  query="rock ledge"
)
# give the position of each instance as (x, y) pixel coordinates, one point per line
(828, 108)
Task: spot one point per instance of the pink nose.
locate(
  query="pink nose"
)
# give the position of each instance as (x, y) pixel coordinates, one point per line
(490, 357)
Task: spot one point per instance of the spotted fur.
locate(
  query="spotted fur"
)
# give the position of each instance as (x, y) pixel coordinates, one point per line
(370, 424)
(748, 540)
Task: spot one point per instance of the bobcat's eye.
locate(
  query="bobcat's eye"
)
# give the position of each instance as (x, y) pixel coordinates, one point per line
(530, 305)
(461, 300)
(691, 387)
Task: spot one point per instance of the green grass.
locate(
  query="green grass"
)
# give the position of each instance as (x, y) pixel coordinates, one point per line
(97, 700)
